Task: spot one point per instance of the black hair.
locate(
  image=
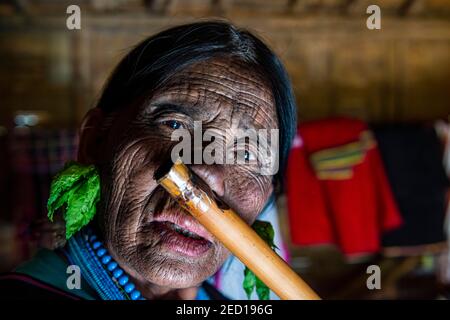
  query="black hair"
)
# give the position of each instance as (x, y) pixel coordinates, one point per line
(153, 61)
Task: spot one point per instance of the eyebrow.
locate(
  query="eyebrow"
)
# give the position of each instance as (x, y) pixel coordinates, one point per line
(168, 107)
(189, 110)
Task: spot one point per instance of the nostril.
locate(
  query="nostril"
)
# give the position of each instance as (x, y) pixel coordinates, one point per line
(211, 175)
(222, 205)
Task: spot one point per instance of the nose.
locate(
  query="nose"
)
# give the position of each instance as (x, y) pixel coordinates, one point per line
(213, 175)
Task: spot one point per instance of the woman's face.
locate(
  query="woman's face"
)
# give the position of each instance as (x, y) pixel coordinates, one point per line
(143, 228)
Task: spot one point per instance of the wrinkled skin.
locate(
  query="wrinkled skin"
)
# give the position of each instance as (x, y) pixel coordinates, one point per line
(222, 93)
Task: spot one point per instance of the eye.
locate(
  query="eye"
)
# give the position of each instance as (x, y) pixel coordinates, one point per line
(248, 156)
(174, 124)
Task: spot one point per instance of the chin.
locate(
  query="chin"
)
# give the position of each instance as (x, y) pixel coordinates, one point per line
(175, 274)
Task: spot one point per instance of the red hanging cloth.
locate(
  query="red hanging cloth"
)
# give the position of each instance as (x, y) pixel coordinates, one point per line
(337, 190)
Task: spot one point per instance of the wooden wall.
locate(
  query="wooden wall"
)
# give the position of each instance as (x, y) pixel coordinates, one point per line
(337, 65)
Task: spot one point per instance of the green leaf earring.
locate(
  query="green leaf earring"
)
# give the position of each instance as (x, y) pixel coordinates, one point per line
(76, 189)
(265, 230)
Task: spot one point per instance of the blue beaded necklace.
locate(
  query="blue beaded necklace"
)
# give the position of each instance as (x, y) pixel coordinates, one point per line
(99, 269)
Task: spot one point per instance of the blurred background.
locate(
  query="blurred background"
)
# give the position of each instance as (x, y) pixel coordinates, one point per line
(391, 85)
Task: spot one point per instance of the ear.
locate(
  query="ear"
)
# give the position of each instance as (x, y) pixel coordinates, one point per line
(90, 130)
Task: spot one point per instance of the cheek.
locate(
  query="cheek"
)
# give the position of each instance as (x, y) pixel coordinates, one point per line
(247, 193)
(139, 153)
(129, 180)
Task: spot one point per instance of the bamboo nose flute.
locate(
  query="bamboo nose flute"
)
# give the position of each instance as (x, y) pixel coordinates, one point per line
(234, 233)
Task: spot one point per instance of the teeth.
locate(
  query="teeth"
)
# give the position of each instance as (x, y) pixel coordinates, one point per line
(185, 232)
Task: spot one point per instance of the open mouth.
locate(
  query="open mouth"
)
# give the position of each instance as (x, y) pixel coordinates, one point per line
(183, 231)
(181, 240)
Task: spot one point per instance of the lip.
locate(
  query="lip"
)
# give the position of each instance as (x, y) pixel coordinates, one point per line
(185, 221)
(179, 243)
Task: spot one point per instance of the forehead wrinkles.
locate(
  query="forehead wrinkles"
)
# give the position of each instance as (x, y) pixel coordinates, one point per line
(226, 90)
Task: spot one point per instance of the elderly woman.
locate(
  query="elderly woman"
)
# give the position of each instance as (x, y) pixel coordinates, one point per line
(140, 244)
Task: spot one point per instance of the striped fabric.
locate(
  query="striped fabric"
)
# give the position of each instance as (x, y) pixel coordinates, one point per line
(337, 163)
